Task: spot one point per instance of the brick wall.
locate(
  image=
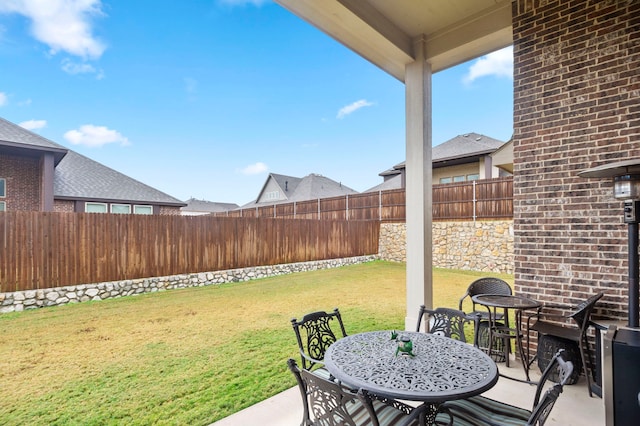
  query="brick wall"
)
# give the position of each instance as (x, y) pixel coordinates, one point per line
(170, 210)
(67, 206)
(576, 106)
(23, 182)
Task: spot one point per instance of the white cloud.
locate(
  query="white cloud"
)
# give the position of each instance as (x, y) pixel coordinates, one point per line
(95, 136)
(498, 63)
(33, 124)
(77, 67)
(3, 99)
(254, 169)
(63, 25)
(26, 102)
(346, 110)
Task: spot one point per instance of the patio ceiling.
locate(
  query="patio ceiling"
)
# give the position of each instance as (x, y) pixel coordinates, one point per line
(385, 32)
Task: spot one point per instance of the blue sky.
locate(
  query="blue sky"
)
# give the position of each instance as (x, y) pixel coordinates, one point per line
(204, 98)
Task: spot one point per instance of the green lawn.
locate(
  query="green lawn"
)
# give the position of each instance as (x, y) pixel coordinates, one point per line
(186, 357)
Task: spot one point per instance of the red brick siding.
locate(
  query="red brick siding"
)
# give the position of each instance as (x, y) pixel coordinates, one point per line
(66, 206)
(576, 106)
(23, 186)
(171, 211)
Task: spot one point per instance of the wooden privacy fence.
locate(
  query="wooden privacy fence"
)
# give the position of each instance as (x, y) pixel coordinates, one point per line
(482, 199)
(44, 250)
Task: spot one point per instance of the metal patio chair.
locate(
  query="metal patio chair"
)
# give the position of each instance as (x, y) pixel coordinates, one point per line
(571, 328)
(314, 335)
(326, 402)
(483, 411)
(487, 285)
(448, 322)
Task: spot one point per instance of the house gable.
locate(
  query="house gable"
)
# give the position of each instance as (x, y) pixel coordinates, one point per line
(277, 188)
(282, 188)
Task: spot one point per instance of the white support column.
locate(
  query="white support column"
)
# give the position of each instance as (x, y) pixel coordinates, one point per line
(418, 187)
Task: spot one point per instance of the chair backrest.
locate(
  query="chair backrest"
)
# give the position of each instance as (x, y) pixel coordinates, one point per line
(447, 322)
(542, 406)
(486, 285)
(314, 335)
(582, 313)
(327, 403)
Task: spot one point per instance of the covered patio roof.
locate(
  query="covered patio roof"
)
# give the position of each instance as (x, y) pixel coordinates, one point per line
(384, 32)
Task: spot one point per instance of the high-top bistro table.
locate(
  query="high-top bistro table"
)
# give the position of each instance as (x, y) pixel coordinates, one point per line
(502, 330)
(441, 369)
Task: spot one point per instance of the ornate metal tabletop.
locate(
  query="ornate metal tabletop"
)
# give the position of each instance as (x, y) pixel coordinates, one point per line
(441, 368)
(506, 301)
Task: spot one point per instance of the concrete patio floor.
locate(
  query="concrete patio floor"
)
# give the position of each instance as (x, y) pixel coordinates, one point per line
(573, 408)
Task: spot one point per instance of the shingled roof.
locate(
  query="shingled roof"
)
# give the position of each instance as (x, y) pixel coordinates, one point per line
(204, 206)
(458, 148)
(18, 138)
(467, 145)
(79, 177)
(310, 187)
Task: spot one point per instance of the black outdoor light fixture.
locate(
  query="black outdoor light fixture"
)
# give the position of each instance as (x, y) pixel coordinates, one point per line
(626, 186)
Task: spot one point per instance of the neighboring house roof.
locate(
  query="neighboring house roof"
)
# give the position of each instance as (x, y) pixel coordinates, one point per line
(310, 187)
(18, 138)
(394, 182)
(317, 186)
(464, 146)
(461, 149)
(203, 206)
(287, 183)
(78, 177)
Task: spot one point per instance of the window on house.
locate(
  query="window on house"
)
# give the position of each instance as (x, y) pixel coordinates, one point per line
(3, 206)
(273, 195)
(142, 210)
(458, 178)
(474, 176)
(3, 187)
(95, 208)
(121, 208)
(445, 180)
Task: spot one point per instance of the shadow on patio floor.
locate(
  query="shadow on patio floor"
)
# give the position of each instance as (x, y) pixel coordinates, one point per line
(573, 408)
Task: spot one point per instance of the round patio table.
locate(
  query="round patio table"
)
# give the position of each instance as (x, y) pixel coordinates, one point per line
(441, 369)
(498, 330)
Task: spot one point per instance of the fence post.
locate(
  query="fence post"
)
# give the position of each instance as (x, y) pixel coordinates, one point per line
(380, 205)
(347, 206)
(318, 208)
(274, 211)
(294, 209)
(474, 201)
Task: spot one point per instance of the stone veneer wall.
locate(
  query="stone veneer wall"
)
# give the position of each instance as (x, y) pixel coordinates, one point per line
(479, 246)
(33, 299)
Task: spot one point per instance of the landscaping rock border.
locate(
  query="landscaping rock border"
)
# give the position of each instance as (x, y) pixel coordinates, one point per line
(32, 299)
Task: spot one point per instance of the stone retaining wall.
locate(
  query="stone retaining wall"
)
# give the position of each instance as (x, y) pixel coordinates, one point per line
(33, 299)
(479, 246)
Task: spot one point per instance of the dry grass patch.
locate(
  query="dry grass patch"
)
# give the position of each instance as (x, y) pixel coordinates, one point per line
(185, 357)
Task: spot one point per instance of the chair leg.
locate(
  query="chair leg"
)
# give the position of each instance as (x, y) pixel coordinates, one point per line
(586, 367)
